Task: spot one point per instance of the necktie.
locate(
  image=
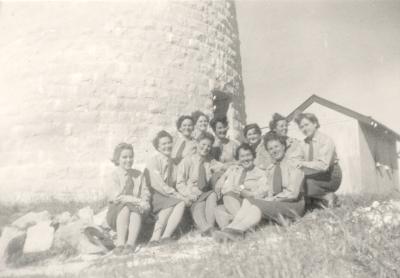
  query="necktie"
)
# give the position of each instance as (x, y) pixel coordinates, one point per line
(179, 153)
(310, 149)
(221, 151)
(242, 177)
(169, 172)
(277, 179)
(129, 185)
(217, 153)
(202, 180)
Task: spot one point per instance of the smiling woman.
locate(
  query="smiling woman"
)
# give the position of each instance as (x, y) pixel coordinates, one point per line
(321, 165)
(195, 183)
(285, 198)
(128, 199)
(167, 203)
(244, 180)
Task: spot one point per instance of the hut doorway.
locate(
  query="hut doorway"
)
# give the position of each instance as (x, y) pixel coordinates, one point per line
(221, 101)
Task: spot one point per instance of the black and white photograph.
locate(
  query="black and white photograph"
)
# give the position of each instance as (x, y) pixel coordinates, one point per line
(200, 138)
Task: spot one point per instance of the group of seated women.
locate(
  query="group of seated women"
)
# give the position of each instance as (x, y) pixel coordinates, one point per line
(228, 187)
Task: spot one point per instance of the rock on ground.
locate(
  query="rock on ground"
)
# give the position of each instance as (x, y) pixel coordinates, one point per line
(72, 236)
(86, 214)
(39, 238)
(11, 243)
(30, 219)
(63, 218)
(100, 218)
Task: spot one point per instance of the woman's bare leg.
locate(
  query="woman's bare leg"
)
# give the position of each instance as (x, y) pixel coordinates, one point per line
(162, 219)
(199, 216)
(122, 224)
(252, 218)
(174, 219)
(135, 223)
(211, 205)
(243, 212)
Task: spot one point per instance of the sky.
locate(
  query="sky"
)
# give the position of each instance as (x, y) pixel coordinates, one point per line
(345, 51)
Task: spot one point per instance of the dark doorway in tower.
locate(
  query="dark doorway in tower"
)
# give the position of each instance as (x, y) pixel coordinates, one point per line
(221, 101)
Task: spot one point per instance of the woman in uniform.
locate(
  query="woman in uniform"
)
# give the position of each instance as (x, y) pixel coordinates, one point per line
(321, 167)
(167, 203)
(244, 180)
(183, 144)
(200, 121)
(128, 199)
(285, 199)
(279, 126)
(252, 133)
(224, 149)
(194, 183)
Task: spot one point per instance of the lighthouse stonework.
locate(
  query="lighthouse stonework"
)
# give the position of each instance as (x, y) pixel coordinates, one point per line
(76, 78)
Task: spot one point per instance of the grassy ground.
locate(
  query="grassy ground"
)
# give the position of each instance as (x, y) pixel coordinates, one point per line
(325, 243)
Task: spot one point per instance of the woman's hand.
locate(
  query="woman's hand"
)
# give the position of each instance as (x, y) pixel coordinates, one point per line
(169, 190)
(300, 165)
(187, 201)
(145, 206)
(196, 191)
(193, 197)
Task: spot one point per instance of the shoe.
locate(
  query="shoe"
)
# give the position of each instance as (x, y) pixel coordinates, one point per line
(166, 240)
(118, 250)
(221, 237)
(329, 200)
(209, 232)
(153, 243)
(234, 234)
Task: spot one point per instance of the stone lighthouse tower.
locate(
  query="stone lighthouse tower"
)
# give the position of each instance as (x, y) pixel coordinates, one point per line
(76, 78)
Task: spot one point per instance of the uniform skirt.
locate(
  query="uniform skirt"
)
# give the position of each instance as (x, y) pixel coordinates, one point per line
(115, 208)
(274, 210)
(202, 198)
(234, 195)
(160, 202)
(322, 183)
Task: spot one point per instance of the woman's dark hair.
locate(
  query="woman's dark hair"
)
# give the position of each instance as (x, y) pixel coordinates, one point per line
(251, 126)
(181, 119)
(118, 150)
(309, 116)
(206, 135)
(272, 136)
(275, 119)
(160, 134)
(214, 121)
(197, 114)
(246, 147)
